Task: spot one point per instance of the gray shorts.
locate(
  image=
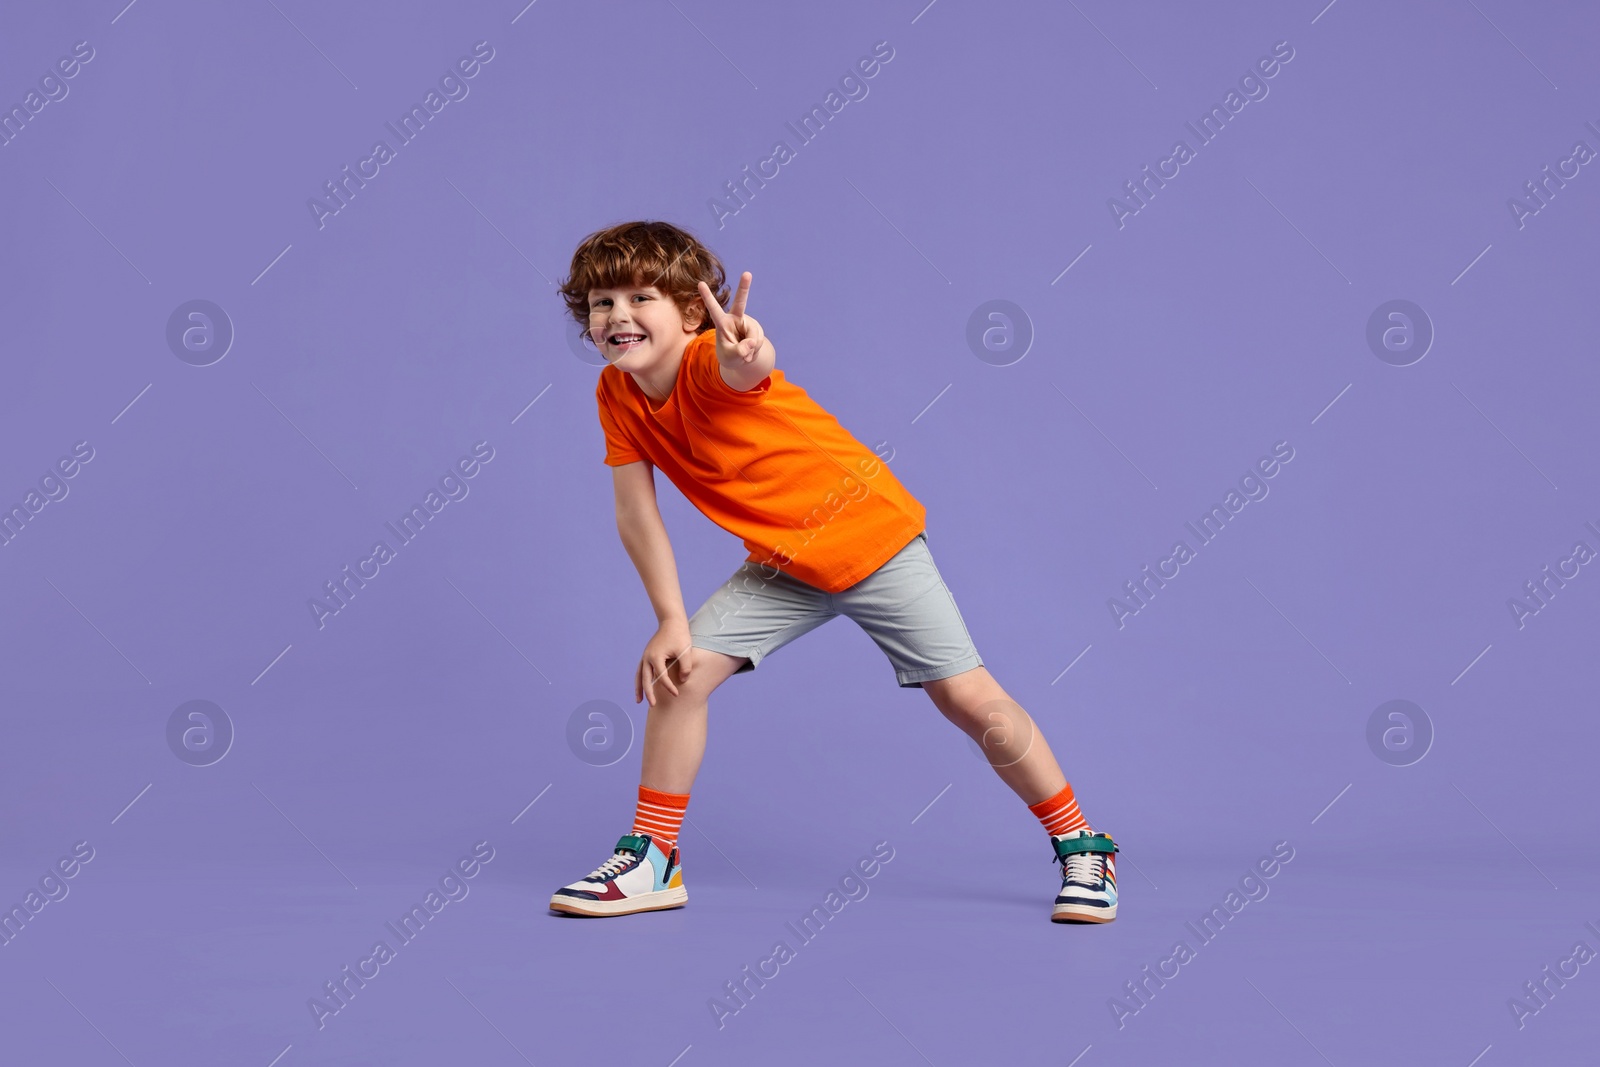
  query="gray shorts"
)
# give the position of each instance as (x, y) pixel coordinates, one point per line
(904, 606)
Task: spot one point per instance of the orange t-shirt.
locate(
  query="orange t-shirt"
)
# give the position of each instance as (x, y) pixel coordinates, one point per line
(768, 465)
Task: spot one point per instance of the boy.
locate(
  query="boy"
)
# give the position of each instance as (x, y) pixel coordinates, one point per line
(835, 531)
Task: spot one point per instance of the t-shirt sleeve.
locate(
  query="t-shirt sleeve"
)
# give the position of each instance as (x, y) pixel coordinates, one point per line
(705, 376)
(620, 448)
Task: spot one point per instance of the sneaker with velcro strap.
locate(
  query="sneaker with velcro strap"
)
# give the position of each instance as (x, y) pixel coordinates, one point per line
(1088, 878)
(637, 877)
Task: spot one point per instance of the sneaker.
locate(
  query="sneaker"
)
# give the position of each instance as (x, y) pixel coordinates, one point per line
(636, 878)
(1088, 878)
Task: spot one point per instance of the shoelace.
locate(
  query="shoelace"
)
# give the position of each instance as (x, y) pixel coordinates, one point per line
(612, 866)
(1084, 868)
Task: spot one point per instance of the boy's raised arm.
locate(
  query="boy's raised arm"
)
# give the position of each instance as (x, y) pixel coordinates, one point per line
(744, 354)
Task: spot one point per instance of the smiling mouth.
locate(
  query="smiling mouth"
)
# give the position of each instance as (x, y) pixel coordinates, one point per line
(625, 342)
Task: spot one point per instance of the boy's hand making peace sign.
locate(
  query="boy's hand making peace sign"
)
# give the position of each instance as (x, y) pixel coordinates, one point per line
(743, 351)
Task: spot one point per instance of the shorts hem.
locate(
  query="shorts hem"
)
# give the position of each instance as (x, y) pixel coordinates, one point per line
(712, 644)
(914, 679)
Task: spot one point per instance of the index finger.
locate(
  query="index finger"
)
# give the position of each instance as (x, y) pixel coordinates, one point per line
(718, 317)
(666, 676)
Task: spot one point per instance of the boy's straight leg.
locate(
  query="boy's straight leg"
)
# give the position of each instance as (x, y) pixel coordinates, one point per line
(1006, 734)
(906, 608)
(1019, 754)
(675, 730)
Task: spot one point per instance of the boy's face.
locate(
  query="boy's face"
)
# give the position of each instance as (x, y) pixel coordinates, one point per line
(637, 327)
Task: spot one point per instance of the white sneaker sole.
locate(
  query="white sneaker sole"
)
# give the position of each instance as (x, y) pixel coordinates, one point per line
(1082, 913)
(666, 898)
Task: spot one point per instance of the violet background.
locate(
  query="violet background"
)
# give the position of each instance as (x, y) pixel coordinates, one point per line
(372, 353)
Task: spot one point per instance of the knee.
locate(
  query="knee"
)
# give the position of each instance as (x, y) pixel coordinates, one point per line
(692, 692)
(967, 695)
(994, 718)
(706, 673)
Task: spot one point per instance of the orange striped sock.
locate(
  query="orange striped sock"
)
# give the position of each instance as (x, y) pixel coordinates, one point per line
(660, 815)
(1060, 814)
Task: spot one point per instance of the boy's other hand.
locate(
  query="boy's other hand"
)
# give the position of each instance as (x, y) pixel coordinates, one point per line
(739, 336)
(670, 647)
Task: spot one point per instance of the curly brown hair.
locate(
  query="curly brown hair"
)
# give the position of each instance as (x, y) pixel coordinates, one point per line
(639, 254)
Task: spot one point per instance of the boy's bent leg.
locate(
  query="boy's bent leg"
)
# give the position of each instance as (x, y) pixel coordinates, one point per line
(675, 730)
(644, 872)
(746, 619)
(751, 616)
(1006, 734)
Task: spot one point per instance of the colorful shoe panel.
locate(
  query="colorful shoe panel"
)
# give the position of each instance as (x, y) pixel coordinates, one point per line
(1088, 878)
(637, 877)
